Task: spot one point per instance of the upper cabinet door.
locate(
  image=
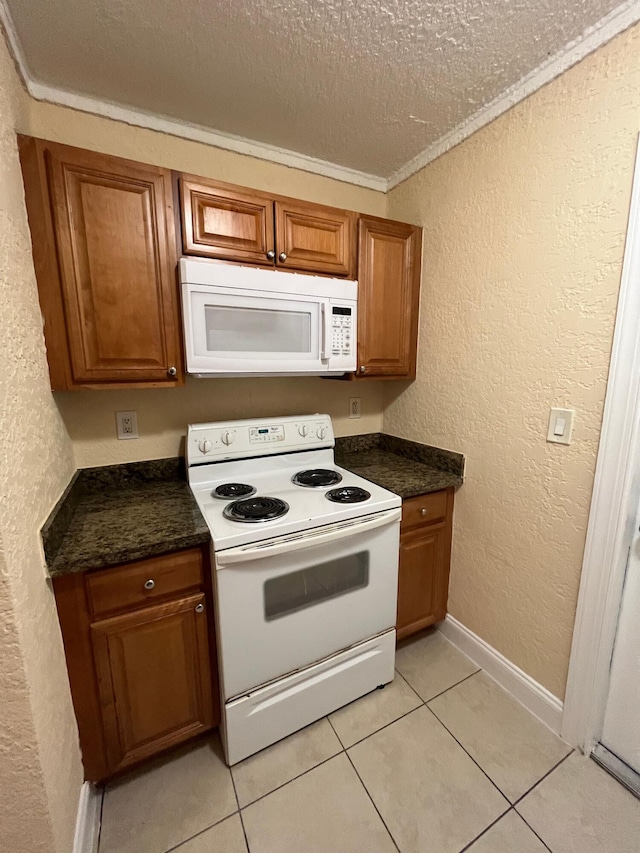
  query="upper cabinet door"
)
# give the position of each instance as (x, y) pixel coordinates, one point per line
(110, 303)
(220, 222)
(314, 238)
(388, 297)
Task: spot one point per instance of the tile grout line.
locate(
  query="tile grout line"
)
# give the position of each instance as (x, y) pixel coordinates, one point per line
(539, 837)
(486, 829)
(447, 689)
(201, 831)
(482, 770)
(293, 779)
(382, 728)
(542, 778)
(235, 792)
(366, 790)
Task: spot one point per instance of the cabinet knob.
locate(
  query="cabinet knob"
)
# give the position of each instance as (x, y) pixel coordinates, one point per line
(282, 256)
(271, 254)
(199, 608)
(424, 511)
(149, 584)
(362, 368)
(172, 371)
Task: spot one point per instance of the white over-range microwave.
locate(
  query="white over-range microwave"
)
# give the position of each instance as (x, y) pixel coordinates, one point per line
(246, 321)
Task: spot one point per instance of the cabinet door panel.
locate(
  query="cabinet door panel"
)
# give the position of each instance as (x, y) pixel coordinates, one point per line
(422, 555)
(315, 238)
(223, 223)
(117, 264)
(154, 678)
(388, 299)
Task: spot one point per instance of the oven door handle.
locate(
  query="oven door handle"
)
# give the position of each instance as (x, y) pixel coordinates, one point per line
(325, 332)
(297, 543)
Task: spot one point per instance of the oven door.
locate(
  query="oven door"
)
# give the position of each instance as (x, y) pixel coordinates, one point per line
(252, 332)
(291, 601)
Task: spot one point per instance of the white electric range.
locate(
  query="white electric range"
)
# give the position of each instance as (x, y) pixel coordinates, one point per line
(305, 558)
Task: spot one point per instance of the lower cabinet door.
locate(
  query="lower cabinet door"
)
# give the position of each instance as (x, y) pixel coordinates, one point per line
(423, 579)
(154, 678)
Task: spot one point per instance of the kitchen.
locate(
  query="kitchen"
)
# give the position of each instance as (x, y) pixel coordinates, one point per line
(488, 401)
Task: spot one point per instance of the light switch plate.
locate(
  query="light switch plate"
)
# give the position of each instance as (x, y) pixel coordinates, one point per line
(560, 426)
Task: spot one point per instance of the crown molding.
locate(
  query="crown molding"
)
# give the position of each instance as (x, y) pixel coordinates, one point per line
(199, 133)
(620, 19)
(185, 130)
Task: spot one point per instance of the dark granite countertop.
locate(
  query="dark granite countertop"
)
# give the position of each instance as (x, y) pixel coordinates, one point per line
(404, 467)
(119, 513)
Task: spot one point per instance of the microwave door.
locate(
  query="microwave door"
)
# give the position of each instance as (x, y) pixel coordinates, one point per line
(240, 333)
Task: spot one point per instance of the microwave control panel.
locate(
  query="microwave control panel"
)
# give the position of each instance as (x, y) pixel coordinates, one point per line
(342, 331)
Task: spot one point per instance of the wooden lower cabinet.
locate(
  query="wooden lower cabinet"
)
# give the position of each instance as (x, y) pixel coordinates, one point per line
(425, 552)
(144, 679)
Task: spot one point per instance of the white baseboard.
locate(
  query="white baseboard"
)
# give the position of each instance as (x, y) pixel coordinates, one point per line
(535, 698)
(88, 820)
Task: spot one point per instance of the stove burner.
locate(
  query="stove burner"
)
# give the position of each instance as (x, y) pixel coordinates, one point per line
(317, 477)
(229, 491)
(348, 495)
(256, 509)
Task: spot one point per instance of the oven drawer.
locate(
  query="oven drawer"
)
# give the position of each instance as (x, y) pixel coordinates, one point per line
(424, 509)
(145, 582)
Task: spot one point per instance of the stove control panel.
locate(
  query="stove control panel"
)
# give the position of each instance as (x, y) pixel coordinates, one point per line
(217, 442)
(264, 434)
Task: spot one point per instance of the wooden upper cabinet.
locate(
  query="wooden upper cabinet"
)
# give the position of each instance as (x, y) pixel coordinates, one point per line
(234, 223)
(388, 297)
(225, 223)
(314, 238)
(104, 250)
(154, 678)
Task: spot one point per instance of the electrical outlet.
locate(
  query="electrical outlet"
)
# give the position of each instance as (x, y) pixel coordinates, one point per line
(127, 424)
(354, 407)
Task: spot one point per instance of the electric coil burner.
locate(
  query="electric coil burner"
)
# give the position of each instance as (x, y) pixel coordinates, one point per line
(348, 495)
(256, 509)
(232, 491)
(315, 478)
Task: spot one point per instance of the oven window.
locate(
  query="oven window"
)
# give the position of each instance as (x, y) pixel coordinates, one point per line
(257, 330)
(306, 587)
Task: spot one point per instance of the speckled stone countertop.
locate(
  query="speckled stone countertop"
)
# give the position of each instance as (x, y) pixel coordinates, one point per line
(119, 513)
(404, 467)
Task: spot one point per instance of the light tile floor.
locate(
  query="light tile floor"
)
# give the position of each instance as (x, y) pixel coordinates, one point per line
(440, 761)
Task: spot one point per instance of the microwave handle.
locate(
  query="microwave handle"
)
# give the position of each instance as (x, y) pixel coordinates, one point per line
(243, 555)
(326, 332)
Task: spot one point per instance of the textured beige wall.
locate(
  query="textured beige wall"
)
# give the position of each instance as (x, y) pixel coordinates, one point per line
(524, 234)
(163, 414)
(40, 771)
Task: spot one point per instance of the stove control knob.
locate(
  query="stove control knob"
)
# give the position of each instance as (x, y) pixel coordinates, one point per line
(204, 445)
(227, 438)
(303, 429)
(322, 433)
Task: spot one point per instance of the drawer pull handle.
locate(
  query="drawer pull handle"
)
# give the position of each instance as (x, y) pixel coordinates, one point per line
(424, 511)
(149, 584)
(199, 608)
(282, 256)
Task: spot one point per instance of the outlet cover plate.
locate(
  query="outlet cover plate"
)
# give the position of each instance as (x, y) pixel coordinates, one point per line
(127, 424)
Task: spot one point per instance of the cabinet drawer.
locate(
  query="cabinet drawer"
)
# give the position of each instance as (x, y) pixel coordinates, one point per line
(424, 509)
(136, 584)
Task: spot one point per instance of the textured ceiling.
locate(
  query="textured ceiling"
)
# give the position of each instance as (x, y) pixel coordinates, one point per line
(366, 84)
